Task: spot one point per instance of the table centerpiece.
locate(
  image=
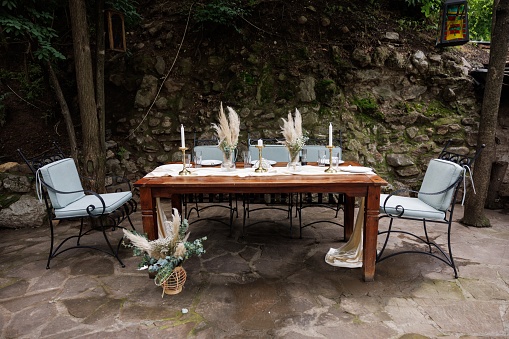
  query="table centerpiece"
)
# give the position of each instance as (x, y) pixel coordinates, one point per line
(228, 133)
(294, 139)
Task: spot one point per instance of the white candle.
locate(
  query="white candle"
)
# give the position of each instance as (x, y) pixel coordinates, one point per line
(260, 142)
(182, 137)
(330, 134)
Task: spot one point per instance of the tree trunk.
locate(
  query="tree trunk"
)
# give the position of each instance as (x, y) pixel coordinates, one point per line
(474, 209)
(99, 75)
(498, 170)
(65, 112)
(93, 158)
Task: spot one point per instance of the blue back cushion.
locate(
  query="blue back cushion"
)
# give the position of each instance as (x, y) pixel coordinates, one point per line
(63, 176)
(439, 175)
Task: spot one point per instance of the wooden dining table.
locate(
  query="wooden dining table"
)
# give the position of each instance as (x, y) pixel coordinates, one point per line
(352, 185)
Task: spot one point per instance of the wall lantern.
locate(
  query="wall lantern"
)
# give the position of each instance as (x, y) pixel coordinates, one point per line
(454, 24)
(116, 31)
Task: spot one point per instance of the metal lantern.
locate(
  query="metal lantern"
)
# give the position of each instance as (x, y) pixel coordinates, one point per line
(454, 24)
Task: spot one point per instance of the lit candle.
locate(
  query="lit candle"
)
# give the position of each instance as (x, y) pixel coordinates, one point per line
(260, 142)
(182, 137)
(330, 134)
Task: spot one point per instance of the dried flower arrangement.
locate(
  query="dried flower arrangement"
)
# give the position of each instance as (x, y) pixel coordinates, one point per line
(292, 132)
(228, 129)
(163, 255)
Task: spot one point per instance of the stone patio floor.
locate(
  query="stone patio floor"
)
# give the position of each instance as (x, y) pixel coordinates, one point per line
(262, 285)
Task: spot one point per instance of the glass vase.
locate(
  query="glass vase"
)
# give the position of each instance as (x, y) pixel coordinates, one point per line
(228, 163)
(294, 164)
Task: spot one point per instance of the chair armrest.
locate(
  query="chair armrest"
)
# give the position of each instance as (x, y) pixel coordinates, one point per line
(90, 208)
(397, 207)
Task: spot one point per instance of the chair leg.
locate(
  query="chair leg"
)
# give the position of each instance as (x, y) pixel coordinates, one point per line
(388, 232)
(426, 234)
(113, 252)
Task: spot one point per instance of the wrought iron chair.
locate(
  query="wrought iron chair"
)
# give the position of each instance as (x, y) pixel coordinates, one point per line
(273, 150)
(434, 202)
(210, 151)
(332, 201)
(59, 184)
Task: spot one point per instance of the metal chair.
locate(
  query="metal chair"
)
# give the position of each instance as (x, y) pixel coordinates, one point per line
(59, 184)
(210, 151)
(273, 150)
(332, 201)
(434, 202)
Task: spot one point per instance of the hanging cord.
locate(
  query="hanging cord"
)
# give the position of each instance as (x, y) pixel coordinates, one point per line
(38, 184)
(466, 169)
(166, 76)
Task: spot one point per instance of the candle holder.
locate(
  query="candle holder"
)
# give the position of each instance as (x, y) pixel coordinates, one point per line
(184, 171)
(330, 169)
(260, 168)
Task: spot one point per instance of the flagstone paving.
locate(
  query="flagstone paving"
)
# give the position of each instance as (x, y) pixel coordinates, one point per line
(264, 284)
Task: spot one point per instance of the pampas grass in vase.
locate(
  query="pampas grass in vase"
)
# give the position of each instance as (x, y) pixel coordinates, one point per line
(294, 138)
(228, 131)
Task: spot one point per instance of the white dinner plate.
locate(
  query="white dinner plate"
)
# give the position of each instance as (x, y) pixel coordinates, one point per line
(210, 162)
(271, 162)
(355, 169)
(326, 161)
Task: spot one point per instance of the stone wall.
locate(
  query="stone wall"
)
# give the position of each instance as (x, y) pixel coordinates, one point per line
(396, 108)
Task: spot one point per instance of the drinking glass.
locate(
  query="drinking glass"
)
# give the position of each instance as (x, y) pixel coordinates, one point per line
(321, 158)
(247, 159)
(304, 156)
(197, 159)
(188, 160)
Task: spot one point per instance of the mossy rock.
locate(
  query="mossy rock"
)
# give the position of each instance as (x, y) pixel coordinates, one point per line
(8, 199)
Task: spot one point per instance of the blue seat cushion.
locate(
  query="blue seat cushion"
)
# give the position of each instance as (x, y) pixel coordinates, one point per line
(440, 175)
(209, 152)
(63, 176)
(277, 153)
(78, 208)
(413, 207)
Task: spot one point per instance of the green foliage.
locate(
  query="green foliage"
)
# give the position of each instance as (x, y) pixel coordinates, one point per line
(430, 8)
(369, 108)
(223, 12)
(479, 16)
(30, 22)
(128, 8)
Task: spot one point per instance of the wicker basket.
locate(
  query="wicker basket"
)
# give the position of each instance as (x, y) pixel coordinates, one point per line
(175, 282)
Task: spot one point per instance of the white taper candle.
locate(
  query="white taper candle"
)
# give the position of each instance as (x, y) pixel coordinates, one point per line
(330, 134)
(182, 137)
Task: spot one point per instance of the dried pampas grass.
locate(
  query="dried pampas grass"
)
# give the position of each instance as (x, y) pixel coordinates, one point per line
(228, 130)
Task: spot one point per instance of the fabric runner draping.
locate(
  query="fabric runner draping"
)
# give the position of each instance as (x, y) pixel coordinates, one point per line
(173, 170)
(350, 254)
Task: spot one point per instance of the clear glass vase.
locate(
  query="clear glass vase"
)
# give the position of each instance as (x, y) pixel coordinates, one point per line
(228, 163)
(294, 164)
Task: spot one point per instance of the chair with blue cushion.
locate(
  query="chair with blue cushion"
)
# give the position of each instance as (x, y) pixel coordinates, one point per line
(434, 202)
(332, 201)
(274, 150)
(210, 151)
(59, 183)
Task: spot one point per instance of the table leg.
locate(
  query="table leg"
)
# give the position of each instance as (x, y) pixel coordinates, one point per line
(148, 213)
(349, 216)
(176, 202)
(370, 232)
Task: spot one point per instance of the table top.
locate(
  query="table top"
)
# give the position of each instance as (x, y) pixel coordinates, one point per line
(348, 183)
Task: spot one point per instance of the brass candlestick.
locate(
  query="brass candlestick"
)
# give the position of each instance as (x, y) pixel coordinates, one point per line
(184, 171)
(330, 169)
(260, 168)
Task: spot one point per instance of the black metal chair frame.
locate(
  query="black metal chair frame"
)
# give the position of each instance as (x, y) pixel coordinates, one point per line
(272, 203)
(212, 200)
(334, 202)
(100, 222)
(442, 255)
